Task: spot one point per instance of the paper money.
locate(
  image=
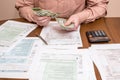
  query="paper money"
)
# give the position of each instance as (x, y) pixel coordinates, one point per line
(61, 22)
(43, 12)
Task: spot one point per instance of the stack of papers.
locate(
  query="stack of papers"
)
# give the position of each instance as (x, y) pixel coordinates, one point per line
(16, 51)
(27, 57)
(55, 35)
(62, 64)
(107, 59)
(16, 62)
(11, 32)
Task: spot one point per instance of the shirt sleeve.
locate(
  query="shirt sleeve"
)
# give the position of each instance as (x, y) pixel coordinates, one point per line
(24, 3)
(96, 9)
(25, 8)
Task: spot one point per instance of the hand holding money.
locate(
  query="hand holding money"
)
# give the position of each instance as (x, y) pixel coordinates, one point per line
(62, 21)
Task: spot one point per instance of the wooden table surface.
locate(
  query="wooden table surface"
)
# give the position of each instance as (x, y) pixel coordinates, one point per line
(110, 25)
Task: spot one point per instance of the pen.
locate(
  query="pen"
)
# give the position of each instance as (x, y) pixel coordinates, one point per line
(42, 39)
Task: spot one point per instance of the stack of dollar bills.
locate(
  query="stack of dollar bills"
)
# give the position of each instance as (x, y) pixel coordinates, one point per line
(61, 21)
(42, 12)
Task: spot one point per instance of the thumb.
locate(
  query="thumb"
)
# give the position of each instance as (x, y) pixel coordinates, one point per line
(68, 22)
(76, 25)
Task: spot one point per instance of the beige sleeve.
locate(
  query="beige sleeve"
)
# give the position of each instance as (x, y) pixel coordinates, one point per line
(24, 3)
(25, 8)
(96, 9)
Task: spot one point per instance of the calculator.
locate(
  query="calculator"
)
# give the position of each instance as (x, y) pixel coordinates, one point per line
(97, 36)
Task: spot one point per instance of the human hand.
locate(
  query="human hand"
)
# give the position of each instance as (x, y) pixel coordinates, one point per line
(74, 19)
(42, 21)
(29, 14)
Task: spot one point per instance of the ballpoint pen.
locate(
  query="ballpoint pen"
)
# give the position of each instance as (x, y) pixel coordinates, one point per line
(42, 39)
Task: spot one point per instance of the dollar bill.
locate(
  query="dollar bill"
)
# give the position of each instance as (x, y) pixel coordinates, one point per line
(61, 22)
(43, 12)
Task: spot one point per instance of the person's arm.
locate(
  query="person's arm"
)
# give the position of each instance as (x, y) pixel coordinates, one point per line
(25, 9)
(94, 10)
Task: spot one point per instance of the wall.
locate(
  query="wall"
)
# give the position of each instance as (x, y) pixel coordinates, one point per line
(8, 11)
(113, 8)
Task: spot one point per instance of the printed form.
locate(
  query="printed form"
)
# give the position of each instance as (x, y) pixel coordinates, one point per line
(107, 59)
(62, 64)
(12, 32)
(16, 62)
(55, 35)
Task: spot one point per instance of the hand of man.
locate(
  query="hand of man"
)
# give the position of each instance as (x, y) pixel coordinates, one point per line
(29, 14)
(74, 19)
(42, 21)
(77, 19)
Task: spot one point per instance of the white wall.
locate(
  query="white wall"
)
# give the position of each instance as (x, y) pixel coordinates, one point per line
(8, 11)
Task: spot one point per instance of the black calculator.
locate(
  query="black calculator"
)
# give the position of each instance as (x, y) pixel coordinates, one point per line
(97, 36)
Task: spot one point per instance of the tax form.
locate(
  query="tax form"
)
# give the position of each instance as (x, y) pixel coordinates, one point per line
(55, 35)
(11, 32)
(62, 64)
(16, 62)
(107, 60)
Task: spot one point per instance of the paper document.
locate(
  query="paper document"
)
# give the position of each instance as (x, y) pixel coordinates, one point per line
(54, 35)
(16, 63)
(11, 32)
(107, 59)
(62, 65)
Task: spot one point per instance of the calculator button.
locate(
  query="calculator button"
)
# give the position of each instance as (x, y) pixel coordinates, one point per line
(93, 33)
(100, 34)
(103, 33)
(89, 34)
(96, 33)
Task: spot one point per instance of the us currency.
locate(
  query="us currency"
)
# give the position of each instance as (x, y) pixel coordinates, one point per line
(43, 12)
(61, 22)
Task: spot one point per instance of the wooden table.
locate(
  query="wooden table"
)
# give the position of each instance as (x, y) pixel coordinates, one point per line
(110, 25)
